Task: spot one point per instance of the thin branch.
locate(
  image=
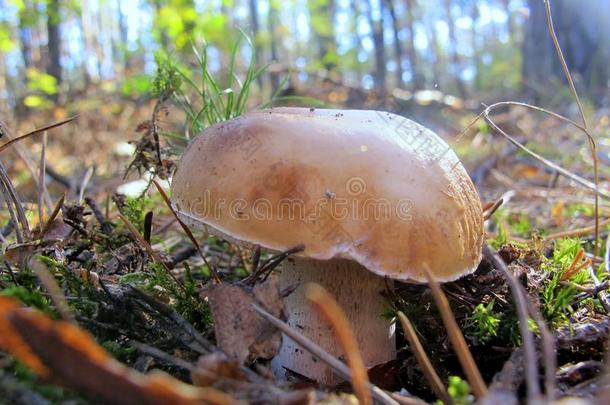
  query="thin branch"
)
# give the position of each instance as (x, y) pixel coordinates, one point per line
(187, 230)
(36, 131)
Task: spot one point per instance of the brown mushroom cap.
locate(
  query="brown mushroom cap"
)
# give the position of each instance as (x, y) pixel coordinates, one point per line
(369, 186)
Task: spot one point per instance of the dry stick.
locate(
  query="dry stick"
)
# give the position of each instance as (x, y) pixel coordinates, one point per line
(339, 367)
(84, 184)
(52, 217)
(187, 230)
(41, 179)
(36, 131)
(424, 362)
(492, 209)
(592, 144)
(456, 337)
(575, 232)
(531, 364)
(11, 197)
(326, 305)
(132, 229)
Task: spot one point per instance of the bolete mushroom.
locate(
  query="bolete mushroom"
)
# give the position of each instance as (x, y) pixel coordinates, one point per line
(372, 196)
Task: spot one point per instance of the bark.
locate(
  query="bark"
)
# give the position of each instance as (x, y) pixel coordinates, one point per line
(418, 79)
(54, 39)
(379, 48)
(453, 54)
(584, 35)
(398, 54)
(272, 18)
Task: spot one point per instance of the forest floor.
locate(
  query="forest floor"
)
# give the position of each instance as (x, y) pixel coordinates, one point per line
(107, 256)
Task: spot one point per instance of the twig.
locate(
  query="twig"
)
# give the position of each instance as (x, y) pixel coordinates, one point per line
(153, 255)
(188, 232)
(105, 225)
(580, 180)
(424, 362)
(531, 363)
(335, 316)
(487, 213)
(576, 232)
(456, 337)
(84, 184)
(340, 368)
(52, 217)
(14, 206)
(36, 131)
(42, 189)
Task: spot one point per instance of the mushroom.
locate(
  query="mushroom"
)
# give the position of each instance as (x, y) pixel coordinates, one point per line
(372, 196)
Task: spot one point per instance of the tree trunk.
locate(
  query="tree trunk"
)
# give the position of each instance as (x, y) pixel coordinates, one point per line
(379, 48)
(417, 78)
(453, 53)
(272, 18)
(322, 18)
(397, 47)
(583, 32)
(54, 40)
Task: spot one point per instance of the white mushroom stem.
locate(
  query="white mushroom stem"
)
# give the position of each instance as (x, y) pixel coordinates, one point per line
(358, 292)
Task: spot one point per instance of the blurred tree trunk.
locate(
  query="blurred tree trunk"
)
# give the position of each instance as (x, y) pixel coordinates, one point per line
(379, 48)
(417, 78)
(54, 40)
(511, 18)
(453, 53)
(584, 35)
(398, 54)
(476, 55)
(437, 55)
(322, 20)
(255, 28)
(123, 37)
(25, 34)
(272, 18)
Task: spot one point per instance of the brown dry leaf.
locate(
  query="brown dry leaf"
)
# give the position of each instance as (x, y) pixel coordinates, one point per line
(212, 367)
(65, 354)
(240, 332)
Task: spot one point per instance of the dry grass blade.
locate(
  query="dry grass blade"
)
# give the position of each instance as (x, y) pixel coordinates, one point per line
(84, 184)
(424, 362)
(576, 232)
(132, 229)
(340, 368)
(457, 339)
(14, 206)
(42, 189)
(592, 145)
(531, 364)
(52, 217)
(187, 230)
(48, 281)
(326, 305)
(576, 178)
(36, 131)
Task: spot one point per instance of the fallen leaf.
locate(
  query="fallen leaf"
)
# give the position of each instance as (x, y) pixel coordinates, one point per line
(240, 332)
(65, 354)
